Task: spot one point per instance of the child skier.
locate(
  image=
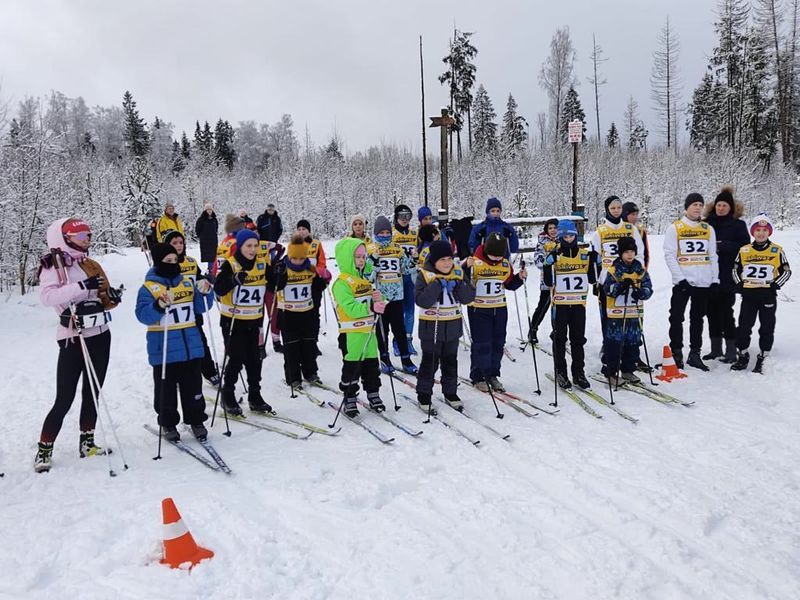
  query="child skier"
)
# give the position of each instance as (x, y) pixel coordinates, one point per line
(426, 236)
(189, 268)
(389, 265)
(569, 272)
(491, 275)
(316, 257)
(167, 303)
(627, 284)
(491, 224)
(547, 240)
(760, 270)
(357, 303)
(297, 282)
(405, 236)
(440, 290)
(241, 286)
(69, 281)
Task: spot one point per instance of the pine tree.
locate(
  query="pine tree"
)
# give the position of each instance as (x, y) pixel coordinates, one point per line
(485, 128)
(727, 60)
(460, 77)
(705, 125)
(333, 150)
(514, 137)
(612, 139)
(203, 138)
(571, 111)
(135, 135)
(665, 86)
(177, 159)
(186, 147)
(140, 199)
(223, 143)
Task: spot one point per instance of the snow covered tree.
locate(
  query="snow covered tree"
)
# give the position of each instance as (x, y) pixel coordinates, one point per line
(460, 78)
(333, 150)
(556, 75)
(224, 144)
(596, 80)
(140, 200)
(203, 139)
(186, 146)
(612, 139)
(635, 132)
(160, 141)
(135, 135)
(572, 111)
(513, 137)
(727, 61)
(664, 83)
(485, 130)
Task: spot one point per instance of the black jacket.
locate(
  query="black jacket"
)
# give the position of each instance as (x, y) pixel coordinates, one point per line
(207, 230)
(731, 234)
(269, 226)
(428, 295)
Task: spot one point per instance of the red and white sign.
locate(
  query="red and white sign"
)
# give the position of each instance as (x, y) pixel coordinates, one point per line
(575, 132)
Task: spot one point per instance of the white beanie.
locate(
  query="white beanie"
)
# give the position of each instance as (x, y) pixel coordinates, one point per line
(761, 220)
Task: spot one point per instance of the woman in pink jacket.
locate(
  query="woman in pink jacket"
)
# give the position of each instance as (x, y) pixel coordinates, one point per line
(82, 297)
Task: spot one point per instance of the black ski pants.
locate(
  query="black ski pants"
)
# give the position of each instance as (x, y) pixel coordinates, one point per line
(444, 354)
(367, 370)
(243, 351)
(69, 369)
(540, 312)
(721, 323)
(570, 321)
(697, 312)
(764, 309)
(298, 330)
(394, 317)
(187, 377)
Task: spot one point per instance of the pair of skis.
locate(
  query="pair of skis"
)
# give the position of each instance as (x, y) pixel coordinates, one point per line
(575, 392)
(647, 391)
(514, 401)
(215, 464)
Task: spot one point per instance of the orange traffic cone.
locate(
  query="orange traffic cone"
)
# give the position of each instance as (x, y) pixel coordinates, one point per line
(669, 369)
(179, 545)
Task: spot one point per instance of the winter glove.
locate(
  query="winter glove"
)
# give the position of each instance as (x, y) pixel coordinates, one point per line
(280, 268)
(262, 352)
(324, 274)
(551, 258)
(92, 283)
(379, 307)
(684, 286)
(115, 294)
(238, 278)
(448, 285)
(774, 286)
(622, 287)
(636, 294)
(203, 286)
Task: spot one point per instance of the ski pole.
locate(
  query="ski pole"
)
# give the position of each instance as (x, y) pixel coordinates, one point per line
(385, 337)
(225, 358)
(644, 343)
(433, 360)
(491, 393)
(553, 327)
(622, 341)
(349, 383)
(325, 310)
(216, 361)
(162, 387)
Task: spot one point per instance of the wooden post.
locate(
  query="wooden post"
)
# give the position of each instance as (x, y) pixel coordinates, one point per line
(424, 140)
(443, 123)
(574, 177)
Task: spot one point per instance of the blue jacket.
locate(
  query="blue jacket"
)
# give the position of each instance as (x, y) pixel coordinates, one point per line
(488, 226)
(613, 288)
(182, 344)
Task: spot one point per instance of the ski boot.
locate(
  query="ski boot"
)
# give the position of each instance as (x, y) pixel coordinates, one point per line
(533, 337)
(86, 446)
(411, 349)
(742, 361)
(230, 404)
(759, 368)
(730, 352)
(643, 367)
(386, 364)
(716, 349)
(424, 401)
(257, 403)
(375, 402)
(314, 380)
(496, 384)
(296, 385)
(482, 386)
(395, 348)
(350, 407)
(277, 346)
(580, 380)
(677, 356)
(630, 378)
(454, 402)
(171, 434)
(563, 381)
(695, 361)
(200, 432)
(44, 458)
(408, 366)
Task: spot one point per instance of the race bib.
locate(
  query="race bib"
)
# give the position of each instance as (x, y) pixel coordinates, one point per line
(693, 247)
(178, 315)
(490, 288)
(572, 283)
(92, 320)
(758, 274)
(250, 295)
(298, 296)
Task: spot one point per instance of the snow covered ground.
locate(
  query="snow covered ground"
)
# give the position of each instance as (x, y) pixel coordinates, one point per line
(698, 502)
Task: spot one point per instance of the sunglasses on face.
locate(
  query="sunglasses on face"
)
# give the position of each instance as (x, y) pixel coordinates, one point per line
(81, 236)
(404, 215)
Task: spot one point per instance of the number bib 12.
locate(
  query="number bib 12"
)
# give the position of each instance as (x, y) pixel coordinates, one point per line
(571, 288)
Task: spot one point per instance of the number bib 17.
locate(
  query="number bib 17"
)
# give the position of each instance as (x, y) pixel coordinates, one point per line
(178, 316)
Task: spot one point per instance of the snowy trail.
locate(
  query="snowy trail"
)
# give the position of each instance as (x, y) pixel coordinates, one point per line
(697, 502)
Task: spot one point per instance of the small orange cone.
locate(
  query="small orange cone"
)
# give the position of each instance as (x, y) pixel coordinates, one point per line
(669, 369)
(179, 545)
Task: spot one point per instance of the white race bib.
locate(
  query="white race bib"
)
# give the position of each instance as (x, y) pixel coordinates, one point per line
(250, 295)
(178, 314)
(578, 283)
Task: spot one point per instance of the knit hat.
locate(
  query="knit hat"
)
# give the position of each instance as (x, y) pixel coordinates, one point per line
(423, 212)
(172, 234)
(547, 224)
(233, 223)
(693, 198)
(761, 220)
(426, 233)
(628, 208)
(244, 235)
(402, 208)
(609, 200)
(495, 245)
(355, 218)
(208, 207)
(625, 243)
(439, 250)
(304, 223)
(566, 227)
(161, 251)
(297, 247)
(493, 203)
(726, 195)
(381, 224)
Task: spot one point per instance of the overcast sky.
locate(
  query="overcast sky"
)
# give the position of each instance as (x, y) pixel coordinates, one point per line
(352, 65)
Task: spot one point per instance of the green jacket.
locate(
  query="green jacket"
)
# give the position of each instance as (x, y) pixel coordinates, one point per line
(359, 345)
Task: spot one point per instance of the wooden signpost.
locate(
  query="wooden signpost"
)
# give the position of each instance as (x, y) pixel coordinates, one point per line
(443, 122)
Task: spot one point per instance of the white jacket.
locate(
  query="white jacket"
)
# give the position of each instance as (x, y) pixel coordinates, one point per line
(696, 275)
(596, 245)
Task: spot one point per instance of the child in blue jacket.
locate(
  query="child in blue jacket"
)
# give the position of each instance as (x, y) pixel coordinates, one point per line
(169, 299)
(493, 224)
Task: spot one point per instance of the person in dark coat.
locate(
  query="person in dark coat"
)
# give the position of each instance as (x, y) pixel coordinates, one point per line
(724, 215)
(269, 225)
(207, 230)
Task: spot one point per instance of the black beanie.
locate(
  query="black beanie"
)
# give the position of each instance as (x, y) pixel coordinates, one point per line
(625, 243)
(628, 208)
(161, 251)
(547, 224)
(609, 200)
(426, 233)
(440, 249)
(402, 208)
(304, 223)
(726, 195)
(495, 244)
(692, 198)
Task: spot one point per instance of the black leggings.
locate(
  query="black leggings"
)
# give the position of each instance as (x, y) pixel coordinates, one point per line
(68, 372)
(243, 351)
(393, 317)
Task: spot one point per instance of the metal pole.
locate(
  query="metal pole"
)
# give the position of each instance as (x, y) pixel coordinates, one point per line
(444, 129)
(424, 135)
